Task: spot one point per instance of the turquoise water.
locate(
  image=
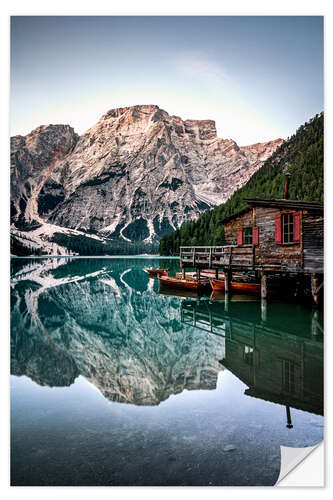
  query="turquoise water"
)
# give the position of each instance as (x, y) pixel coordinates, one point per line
(115, 383)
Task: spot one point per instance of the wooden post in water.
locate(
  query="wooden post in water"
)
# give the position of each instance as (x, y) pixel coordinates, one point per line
(315, 287)
(226, 301)
(217, 274)
(184, 270)
(314, 324)
(263, 309)
(227, 282)
(263, 285)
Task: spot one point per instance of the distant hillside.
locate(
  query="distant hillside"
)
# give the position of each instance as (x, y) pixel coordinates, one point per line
(302, 155)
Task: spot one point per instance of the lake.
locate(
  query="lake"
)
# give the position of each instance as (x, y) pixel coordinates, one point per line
(115, 383)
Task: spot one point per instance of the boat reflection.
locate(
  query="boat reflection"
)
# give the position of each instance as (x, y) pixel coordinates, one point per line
(180, 294)
(280, 358)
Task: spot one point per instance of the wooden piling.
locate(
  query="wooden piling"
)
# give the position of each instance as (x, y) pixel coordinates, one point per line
(314, 324)
(263, 288)
(315, 287)
(226, 301)
(227, 280)
(263, 310)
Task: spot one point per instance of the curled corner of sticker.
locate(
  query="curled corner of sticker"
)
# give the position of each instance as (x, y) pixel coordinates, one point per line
(291, 458)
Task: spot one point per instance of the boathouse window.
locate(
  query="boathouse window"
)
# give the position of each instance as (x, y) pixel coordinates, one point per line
(288, 228)
(247, 236)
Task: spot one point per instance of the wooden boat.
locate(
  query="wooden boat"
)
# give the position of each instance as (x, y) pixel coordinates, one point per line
(217, 285)
(236, 286)
(212, 273)
(208, 273)
(203, 274)
(191, 275)
(246, 287)
(188, 283)
(157, 272)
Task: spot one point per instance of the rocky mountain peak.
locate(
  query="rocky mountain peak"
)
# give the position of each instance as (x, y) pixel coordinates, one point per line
(135, 175)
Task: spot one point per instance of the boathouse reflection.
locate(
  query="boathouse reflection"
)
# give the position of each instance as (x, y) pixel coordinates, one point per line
(279, 359)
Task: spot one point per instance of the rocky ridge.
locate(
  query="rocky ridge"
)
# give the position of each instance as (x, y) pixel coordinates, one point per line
(137, 174)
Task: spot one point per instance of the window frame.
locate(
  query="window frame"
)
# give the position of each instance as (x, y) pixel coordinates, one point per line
(290, 228)
(247, 234)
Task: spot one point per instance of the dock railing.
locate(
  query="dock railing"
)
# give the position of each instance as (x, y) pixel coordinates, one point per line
(217, 256)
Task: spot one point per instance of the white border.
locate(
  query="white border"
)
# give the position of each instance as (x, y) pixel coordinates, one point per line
(172, 7)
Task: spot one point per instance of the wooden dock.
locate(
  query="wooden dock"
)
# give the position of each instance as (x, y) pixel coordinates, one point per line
(283, 237)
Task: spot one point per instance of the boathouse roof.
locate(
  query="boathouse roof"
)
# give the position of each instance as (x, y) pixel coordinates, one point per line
(313, 206)
(283, 203)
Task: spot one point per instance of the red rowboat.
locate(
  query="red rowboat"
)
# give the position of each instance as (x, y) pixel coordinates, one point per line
(217, 285)
(208, 273)
(237, 286)
(245, 287)
(203, 274)
(157, 272)
(188, 283)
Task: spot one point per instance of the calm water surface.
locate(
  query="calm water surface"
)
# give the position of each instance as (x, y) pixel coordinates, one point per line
(114, 383)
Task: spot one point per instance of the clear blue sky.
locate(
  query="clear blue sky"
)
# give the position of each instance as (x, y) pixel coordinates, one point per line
(259, 78)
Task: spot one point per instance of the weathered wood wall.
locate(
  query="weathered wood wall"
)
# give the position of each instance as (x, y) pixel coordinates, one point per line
(231, 227)
(313, 242)
(267, 252)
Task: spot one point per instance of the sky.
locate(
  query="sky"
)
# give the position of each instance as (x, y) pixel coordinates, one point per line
(259, 78)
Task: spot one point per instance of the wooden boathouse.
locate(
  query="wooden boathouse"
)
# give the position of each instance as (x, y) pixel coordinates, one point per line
(271, 237)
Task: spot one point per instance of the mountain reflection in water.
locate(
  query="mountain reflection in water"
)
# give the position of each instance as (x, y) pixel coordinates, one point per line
(108, 325)
(104, 321)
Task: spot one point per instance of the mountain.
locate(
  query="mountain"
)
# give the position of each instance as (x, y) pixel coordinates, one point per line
(302, 155)
(134, 176)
